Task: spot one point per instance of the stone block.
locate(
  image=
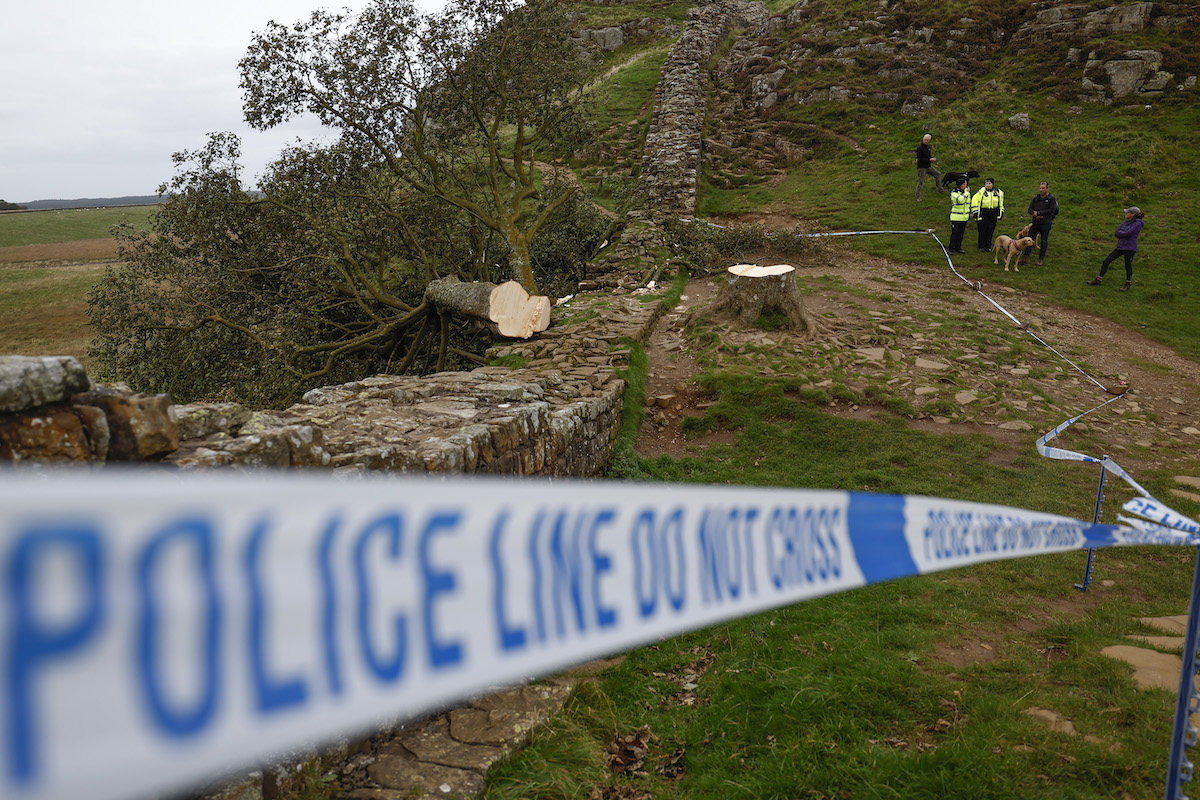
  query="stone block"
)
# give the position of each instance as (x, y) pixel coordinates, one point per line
(30, 381)
(201, 420)
(141, 426)
(51, 434)
(418, 779)
(95, 424)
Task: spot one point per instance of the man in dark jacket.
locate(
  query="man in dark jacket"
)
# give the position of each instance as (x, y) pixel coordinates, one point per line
(1043, 208)
(925, 166)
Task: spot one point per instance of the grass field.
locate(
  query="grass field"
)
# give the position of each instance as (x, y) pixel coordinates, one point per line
(49, 260)
(68, 225)
(916, 688)
(1097, 162)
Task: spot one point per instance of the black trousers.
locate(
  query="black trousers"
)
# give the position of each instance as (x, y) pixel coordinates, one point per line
(957, 229)
(1113, 257)
(987, 226)
(1038, 228)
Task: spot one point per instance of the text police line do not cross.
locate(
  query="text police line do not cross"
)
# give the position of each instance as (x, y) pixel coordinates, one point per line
(161, 630)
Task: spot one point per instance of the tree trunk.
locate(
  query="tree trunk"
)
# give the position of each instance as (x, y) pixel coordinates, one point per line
(753, 290)
(522, 264)
(506, 309)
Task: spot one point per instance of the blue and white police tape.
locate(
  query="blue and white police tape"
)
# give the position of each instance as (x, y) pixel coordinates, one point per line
(162, 630)
(1156, 515)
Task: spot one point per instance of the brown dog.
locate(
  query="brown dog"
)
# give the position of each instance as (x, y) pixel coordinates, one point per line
(1011, 247)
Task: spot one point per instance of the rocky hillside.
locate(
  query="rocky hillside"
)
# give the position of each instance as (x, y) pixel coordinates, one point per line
(888, 57)
(772, 81)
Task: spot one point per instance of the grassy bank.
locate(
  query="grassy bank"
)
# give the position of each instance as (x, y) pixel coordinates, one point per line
(1097, 159)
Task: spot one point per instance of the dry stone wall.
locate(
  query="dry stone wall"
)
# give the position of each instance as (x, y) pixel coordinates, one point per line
(557, 415)
(673, 151)
(672, 157)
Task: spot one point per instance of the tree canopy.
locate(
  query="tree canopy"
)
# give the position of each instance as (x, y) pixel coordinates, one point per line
(469, 107)
(452, 131)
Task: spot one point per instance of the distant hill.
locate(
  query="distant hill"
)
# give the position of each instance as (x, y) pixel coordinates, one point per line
(94, 202)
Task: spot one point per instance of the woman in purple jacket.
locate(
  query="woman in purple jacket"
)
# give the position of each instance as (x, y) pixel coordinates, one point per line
(1127, 233)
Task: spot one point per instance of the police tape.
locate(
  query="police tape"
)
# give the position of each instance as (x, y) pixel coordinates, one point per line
(159, 631)
(1158, 516)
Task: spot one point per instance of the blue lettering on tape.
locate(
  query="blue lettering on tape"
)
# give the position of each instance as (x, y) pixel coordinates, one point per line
(35, 643)
(535, 562)
(271, 694)
(802, 546)
(567, 563)
(726, 553)
(387, 669)
(437, 582)
(329, 604)
(179, 719)
(512, 637)
(659, 561)
(645, 567)
(606, 616)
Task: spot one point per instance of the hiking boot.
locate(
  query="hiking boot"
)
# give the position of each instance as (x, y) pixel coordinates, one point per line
(1094, 281)
(1125, 288)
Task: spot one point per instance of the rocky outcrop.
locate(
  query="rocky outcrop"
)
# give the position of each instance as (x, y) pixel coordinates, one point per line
(614, 36)
(1135, 76)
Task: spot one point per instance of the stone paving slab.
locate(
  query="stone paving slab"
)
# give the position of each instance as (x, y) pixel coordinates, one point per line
(1176, 625)
(1151, 669)
(1171, 643)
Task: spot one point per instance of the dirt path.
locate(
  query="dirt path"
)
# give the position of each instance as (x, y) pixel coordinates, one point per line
(938, 344)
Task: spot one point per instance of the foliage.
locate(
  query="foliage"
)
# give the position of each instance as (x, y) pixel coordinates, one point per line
(709, 246)
(457, 107)
(449, 129)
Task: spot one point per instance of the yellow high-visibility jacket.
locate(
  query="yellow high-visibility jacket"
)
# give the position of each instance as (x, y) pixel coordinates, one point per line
(960, 206)
(985, 199)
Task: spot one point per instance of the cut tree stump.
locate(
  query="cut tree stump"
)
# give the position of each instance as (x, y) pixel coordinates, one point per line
(506, 309)
(752, 291)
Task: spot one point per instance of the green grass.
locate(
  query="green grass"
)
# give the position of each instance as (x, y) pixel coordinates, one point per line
(43, 309)
(68, 225)
(860, 694)
(627, 92)
(1097, 159)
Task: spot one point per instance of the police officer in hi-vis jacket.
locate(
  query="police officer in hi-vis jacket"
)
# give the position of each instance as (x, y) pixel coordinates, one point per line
(960, 212)
(987, 207)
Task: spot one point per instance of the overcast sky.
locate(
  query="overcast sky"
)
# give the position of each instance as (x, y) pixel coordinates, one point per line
(95, 95)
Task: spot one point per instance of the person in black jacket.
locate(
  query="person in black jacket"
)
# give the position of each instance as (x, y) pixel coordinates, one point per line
(925, 166)
(1043, 208)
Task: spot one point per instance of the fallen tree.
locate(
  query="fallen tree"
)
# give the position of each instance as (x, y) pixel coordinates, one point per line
(505, 309)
